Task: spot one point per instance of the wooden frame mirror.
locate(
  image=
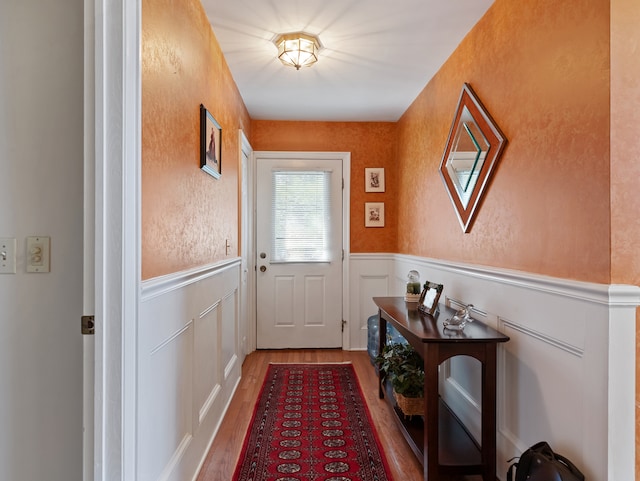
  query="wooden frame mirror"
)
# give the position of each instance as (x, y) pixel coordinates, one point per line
(473, 148)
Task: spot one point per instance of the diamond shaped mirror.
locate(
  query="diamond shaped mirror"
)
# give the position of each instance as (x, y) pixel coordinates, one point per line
(473, 148)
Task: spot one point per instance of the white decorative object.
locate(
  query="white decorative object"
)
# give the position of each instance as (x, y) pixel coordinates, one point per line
(414, 288)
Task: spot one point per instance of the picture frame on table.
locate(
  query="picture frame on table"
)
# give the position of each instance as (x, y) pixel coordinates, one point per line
(210, 143)
(428, 302)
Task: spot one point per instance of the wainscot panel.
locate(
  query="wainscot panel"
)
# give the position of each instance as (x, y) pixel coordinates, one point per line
(188, 359)
(369, 277)
(566, 376)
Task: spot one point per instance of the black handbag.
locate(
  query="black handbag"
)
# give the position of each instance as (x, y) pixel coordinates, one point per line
(541, 463)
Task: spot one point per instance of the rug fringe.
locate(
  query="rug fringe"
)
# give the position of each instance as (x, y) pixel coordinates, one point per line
(309, 363)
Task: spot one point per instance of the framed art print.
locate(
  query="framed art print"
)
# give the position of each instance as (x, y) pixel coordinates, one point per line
(374, 179)
(374, 214)
(210, 143)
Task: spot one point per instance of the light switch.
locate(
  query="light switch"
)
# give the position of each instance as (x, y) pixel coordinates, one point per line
(7, 255)
(37, 255)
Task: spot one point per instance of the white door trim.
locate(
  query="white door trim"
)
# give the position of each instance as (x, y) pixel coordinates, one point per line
(88, 274)
(247, 242)
(117, 239)
(346, 219)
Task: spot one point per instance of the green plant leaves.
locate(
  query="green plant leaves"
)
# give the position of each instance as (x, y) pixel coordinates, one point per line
(403, 367)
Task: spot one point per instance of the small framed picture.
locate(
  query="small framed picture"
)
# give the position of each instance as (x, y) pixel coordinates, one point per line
(210, 143)
(428, 302)
(374, 214)
(374, 179)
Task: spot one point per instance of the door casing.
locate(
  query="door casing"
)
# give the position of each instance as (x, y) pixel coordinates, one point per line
(247, 250)
(116, 97)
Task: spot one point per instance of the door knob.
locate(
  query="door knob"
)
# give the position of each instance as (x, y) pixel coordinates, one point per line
(262, 255)
(263, 268)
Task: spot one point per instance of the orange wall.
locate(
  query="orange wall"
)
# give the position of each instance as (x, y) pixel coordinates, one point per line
(187, 215)
(541, 68)
(371, 145)
(625, 167)
(625, 142)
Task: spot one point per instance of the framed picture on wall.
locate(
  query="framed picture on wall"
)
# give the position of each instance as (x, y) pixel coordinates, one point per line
(374, 214)
(210, 143)
(374, 179)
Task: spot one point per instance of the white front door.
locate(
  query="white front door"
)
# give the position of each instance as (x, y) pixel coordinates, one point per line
(299, 252)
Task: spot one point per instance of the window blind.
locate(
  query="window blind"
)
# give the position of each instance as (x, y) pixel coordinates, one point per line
(301, 225)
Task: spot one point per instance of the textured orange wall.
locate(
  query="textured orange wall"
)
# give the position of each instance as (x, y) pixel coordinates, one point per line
(372, 144)
(187, 215)
(541, 68)
(625, 142)
(625, 167)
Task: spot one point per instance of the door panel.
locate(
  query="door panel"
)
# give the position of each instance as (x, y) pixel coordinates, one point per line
(299, 282)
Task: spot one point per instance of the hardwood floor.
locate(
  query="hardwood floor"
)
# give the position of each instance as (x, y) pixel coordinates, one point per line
(225, 450)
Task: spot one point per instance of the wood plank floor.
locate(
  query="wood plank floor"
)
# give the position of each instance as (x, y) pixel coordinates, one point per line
(225, 450)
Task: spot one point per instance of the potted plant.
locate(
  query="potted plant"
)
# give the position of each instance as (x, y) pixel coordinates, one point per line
(403, 367)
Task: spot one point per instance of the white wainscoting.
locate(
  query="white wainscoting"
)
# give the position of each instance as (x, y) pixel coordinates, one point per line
(189, 365)
(566, 376)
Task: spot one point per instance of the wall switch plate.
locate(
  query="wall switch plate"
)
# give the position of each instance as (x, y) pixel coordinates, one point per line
(37, 255)
(7, 255)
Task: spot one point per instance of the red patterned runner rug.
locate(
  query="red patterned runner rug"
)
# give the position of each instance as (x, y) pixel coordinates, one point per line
(311, 423)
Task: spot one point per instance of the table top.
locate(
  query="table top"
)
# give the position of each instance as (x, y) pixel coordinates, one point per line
(426, 328)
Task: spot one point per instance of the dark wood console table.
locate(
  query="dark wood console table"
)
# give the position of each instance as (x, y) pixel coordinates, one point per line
(441, 443)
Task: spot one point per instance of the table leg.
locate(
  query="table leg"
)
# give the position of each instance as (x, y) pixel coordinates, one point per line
(382, 342)
(489, 413)
(431, 416)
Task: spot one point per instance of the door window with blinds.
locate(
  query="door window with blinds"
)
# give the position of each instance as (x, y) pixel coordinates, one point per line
(301, 228)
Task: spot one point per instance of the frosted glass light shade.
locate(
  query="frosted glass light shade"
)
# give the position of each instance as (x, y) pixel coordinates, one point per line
(297, 49)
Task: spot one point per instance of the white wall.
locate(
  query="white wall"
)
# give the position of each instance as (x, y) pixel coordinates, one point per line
(566, 375)
(41, 182)
(189, 364)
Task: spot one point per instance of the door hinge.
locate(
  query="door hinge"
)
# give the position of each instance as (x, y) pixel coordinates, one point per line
(342, 254)
(344, 323)
(88, 325)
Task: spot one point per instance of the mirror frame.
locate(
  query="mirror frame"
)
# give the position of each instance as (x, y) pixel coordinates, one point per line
(497, 142)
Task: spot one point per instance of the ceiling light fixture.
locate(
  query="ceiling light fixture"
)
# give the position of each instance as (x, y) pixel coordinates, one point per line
(297, 49)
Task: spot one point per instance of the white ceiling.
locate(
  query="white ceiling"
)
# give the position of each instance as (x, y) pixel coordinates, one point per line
(377, 54)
